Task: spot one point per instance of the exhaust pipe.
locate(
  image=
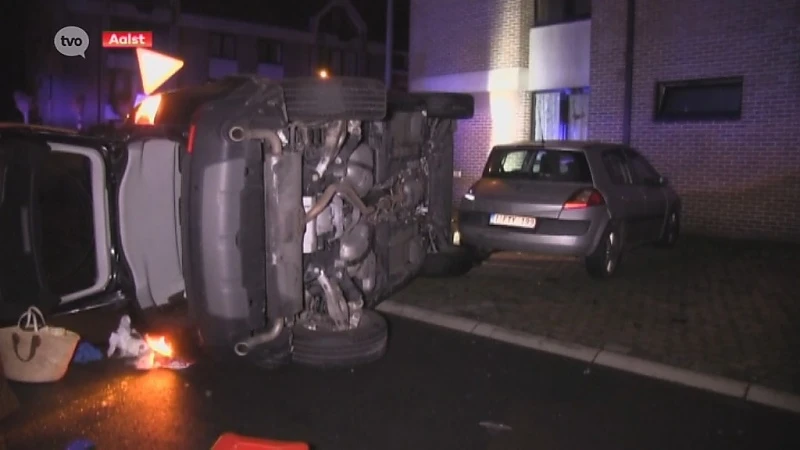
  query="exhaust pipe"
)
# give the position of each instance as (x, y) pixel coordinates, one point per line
(244, 347)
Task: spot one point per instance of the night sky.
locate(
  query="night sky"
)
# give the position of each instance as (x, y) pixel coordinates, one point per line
(294, 14)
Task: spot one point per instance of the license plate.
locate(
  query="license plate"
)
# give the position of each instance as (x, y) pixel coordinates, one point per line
(512, 221)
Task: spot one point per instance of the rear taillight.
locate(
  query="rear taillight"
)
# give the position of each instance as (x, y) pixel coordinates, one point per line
(190, 145)
(585, 198)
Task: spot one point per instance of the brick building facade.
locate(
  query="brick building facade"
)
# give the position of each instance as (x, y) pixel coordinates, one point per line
(614, 70)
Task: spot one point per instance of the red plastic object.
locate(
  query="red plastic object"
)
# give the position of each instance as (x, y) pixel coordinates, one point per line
(232, 441)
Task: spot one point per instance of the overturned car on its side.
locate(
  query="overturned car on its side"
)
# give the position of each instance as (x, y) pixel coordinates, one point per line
(282, 211)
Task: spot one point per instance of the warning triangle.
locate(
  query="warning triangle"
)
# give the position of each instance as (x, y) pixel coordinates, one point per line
(156, 68)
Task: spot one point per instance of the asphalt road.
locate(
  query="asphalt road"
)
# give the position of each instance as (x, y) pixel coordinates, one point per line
(430, 392)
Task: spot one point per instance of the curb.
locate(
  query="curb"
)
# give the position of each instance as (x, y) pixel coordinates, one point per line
(750, 392)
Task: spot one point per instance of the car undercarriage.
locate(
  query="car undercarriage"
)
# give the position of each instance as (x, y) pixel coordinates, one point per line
(322, 214)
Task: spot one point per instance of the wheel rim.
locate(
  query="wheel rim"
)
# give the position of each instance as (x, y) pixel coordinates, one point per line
(611, 253)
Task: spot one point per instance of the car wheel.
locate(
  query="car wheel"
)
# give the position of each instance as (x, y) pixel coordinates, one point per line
(671, 231)
(605, 259)
(316, 344)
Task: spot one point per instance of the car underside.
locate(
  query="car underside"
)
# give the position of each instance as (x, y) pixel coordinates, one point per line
(307, 202)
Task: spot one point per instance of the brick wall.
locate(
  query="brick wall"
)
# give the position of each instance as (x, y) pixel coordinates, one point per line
(456, 36)
(737, 178)
(473, 36)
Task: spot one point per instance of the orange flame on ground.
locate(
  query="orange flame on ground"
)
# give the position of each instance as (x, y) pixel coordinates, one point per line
(159, 345)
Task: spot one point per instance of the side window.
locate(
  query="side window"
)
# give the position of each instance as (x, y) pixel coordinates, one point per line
(615, 165)
(641, 170)
(513, 161)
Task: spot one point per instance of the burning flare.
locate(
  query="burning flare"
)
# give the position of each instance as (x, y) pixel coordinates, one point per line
(159, 345)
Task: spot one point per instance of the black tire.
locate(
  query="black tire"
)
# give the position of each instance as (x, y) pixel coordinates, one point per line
(449, 106)
(440, 105)
(672, 231)
(604, 261)
(327, 349)
(333, 98)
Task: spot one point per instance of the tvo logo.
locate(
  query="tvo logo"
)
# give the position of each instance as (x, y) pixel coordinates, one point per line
(72, 41)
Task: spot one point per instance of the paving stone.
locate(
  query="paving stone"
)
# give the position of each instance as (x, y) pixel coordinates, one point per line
(722, 307)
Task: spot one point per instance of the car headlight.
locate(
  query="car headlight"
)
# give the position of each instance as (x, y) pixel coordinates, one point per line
(469, 196)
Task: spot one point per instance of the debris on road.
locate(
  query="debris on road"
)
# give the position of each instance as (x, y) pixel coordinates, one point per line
(150, 352)
(86, 353)
(494, 426)
(126, 341)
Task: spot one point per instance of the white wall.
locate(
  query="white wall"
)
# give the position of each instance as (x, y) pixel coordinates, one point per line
(559, 56)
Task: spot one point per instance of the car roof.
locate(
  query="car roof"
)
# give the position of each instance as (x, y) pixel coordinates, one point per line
(575, 146)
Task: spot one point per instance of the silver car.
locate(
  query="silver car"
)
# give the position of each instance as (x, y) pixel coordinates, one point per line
(585, 199)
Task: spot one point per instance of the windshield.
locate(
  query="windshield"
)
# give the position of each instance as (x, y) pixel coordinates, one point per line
(538, 164)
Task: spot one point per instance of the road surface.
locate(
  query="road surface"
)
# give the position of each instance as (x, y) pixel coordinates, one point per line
(432, 391)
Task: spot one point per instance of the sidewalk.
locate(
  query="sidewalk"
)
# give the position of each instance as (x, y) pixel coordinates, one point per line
(718, 307)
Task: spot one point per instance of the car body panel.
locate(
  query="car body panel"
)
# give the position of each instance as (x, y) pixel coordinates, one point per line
(100, 216)
(149, 193)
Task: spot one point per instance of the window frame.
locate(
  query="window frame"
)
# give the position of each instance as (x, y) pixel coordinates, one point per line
(264, 50)
(220, 53)
(567, 18)
(626, 170)
(630, 155)
(663, 88)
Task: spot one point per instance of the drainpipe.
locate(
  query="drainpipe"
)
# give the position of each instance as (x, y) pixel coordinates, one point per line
(389, 42)
(630, 34)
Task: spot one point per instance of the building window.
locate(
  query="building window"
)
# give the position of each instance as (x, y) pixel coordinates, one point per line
(706, 99)
(561, 114)
(270, 52)
(550, 12)
(222, 46)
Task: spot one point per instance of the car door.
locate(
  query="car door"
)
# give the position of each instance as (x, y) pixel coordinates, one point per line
(149, 224)
(648, 181)
(54, 219)
(625, 199)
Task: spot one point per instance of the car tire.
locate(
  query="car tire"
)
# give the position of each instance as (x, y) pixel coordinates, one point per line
(672, 231)
(328, 349)
(604, 261)
(334, 98)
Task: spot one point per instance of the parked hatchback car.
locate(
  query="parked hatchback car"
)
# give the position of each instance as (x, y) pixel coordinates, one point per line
(586, 199)
(283, 211)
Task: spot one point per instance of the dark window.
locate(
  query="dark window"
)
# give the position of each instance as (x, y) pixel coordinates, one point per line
(400, 62)
(538, 164)
(270, 52)
(549, 12)
(222, 46)
(350, 63)
(641, 170)
(719, 98)
(614, 162)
